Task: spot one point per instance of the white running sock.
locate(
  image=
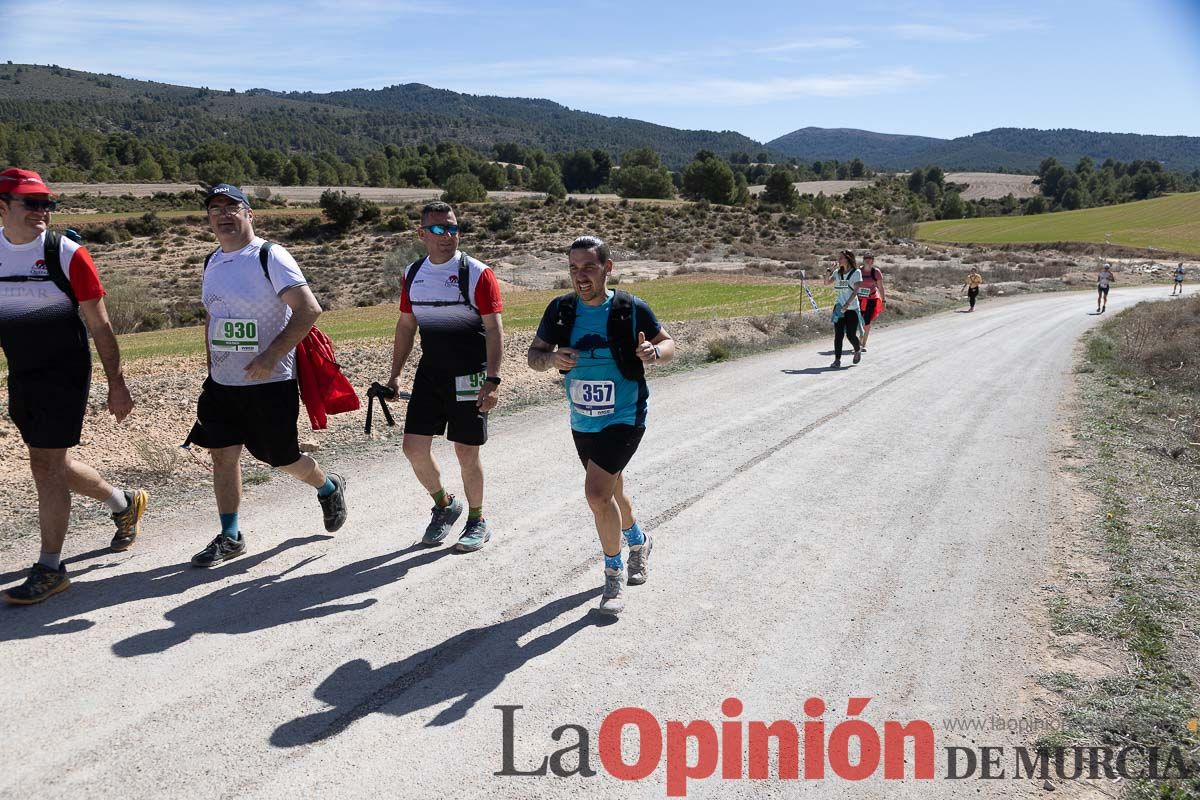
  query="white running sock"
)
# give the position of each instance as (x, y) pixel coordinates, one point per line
(50, 560)
(116, 502)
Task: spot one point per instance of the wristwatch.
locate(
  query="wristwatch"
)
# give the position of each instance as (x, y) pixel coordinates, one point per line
(657, 353)
(492, 379)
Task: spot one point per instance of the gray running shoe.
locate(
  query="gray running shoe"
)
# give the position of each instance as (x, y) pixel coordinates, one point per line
(474, 536)
(220, 549)
(857, 355)
(639, 561)
(441, 520)
(837, 364)
(613, 599)
(333, 506)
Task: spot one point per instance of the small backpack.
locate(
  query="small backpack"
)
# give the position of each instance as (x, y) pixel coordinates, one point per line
(622, 331)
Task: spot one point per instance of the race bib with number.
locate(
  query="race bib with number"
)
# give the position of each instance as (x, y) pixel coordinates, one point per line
(235, 336)
(466, 387)
(594, 398)
(864, 292)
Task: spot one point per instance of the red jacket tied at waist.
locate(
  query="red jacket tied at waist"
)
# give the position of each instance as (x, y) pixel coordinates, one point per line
(323, 388)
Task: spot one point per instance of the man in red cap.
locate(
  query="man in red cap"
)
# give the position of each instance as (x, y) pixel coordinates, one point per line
(45, 281)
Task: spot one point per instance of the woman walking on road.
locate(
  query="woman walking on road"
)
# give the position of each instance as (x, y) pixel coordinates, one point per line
(1103, 280)
(870, 296)
(847, 321)
(974, 281)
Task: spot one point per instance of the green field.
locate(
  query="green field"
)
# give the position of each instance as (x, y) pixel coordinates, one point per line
(1164, 223)
(683, 298)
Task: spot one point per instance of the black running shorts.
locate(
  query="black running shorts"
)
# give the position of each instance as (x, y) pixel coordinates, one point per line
(1102, 290)
(261, 417)
(48, 405)
(434, 410)
(610, 449)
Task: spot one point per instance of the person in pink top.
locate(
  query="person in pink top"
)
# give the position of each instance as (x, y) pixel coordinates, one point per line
(870, 295)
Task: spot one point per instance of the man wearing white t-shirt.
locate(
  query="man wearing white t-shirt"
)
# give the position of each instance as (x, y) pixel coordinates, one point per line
(259, 309)
(454, 300)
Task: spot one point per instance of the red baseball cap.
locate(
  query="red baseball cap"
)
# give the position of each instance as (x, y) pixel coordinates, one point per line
(22, 181)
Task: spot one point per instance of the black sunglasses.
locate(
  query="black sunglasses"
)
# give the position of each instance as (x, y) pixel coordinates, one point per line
(35, 205)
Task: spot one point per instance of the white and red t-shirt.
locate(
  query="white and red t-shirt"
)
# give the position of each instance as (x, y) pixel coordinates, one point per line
(452, 336)
(38, 322)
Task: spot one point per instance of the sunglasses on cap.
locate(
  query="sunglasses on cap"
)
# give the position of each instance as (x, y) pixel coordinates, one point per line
(34, 205)
(441, 230)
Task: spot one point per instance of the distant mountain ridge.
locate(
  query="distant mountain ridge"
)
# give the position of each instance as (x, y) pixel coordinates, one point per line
(358, 122)
(1020, 149)
(351, 122)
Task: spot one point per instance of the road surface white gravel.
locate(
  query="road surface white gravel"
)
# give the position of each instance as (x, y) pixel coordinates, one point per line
(875, 532)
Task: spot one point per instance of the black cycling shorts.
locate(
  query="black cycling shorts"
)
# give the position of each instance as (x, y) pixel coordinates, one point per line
(48, 405)
(1102, 290)
(262, 417)
(610, 449)
(434, 410)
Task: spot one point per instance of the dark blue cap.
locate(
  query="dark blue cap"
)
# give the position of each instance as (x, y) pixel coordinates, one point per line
(226, 190)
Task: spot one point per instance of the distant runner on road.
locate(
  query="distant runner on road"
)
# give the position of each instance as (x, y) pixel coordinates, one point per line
(1179, 273)
(847, 321)
(1103, 280)
(45, 282)
(974, 281)
(603, 340)
(259, 308)
(454, 300)
(871, 296)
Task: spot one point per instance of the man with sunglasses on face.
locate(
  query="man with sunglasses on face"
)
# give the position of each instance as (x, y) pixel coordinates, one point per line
(259, 308)
(454, 300)
(42, 291)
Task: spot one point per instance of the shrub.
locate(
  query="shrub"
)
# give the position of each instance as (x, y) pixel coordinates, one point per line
(464, 188)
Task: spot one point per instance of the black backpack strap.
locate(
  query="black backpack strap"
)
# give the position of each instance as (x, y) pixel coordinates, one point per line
(264, 253)
(410, 275)
(565, 310)
(464, 280)
(622, 336)
(54, 269)
(209, 258)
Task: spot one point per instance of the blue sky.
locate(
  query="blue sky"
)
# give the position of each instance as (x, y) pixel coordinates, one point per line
(764, 69)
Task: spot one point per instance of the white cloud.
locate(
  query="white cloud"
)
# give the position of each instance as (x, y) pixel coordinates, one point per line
(932, 33)
(826, 43)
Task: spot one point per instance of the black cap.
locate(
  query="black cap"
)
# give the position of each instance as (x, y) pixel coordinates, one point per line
(226, 190)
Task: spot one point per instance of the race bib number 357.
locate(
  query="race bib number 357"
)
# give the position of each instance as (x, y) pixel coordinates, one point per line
(235, 336)
(594, 398)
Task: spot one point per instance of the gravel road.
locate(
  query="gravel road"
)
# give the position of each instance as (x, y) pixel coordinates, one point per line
(876, 532)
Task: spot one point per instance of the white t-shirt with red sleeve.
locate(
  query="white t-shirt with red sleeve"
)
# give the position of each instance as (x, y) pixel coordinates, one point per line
(452, 338)
(38, 322)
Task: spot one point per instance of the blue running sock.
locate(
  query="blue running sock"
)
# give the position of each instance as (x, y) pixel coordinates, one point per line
(327, 488)
(614, 562)
(229, 525)
(633, 535)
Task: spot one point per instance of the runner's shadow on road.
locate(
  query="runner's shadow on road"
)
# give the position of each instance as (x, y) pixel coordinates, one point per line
(812, 370)
(268, 601)
(19, 574)
(465, 668)
(45, 619)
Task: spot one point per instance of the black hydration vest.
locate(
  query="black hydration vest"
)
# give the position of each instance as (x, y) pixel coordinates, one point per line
(622, 334)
